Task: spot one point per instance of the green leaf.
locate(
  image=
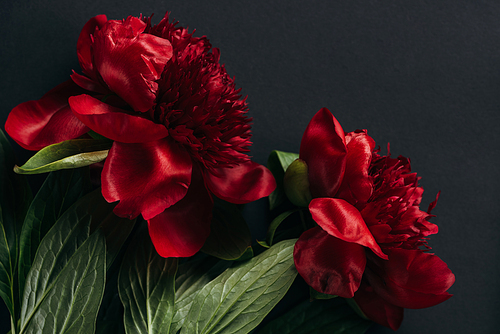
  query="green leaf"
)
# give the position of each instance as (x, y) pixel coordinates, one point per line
(192, 276)
(319, 295)
(229, 236)
(238, 300)
(59, 191)
(319, 316)
(65, 155)
(15, 198)
(147, 287)
(68, 301)
(275, 224)
(277, 163)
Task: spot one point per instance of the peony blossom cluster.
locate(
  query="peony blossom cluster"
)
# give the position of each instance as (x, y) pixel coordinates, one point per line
(371, 240)
(179, 126)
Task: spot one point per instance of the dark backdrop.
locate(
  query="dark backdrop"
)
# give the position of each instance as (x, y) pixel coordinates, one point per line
(422, 75)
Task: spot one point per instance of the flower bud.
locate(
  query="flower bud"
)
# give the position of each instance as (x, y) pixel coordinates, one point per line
(296, 183)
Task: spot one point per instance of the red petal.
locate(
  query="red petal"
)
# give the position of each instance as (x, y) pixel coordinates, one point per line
(36, 124)
(323, 149)
(146, 178)
(115, 123)
(244, 183)
(328, 264)
(377, 309)
(357, 185)
(181, 230)
(412, 279)
(342, 220)
(84, 44)
(89, 84)
(130, 62)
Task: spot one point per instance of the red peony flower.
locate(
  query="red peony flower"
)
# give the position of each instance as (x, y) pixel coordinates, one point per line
(179, 126)
(371, 230)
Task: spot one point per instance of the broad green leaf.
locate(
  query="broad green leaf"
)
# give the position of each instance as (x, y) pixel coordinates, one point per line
(147, 287)
(277, 163)
(319, 316)
(65, 155)
(229, 236)
(191, 277)
(59, 191)
(275, 224)
(69, 300)
(15, 198)
(238, 299)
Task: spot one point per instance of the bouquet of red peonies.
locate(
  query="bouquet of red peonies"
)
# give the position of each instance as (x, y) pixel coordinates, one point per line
(138, 226)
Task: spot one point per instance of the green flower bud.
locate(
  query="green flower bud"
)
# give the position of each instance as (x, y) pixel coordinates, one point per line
(296, 183)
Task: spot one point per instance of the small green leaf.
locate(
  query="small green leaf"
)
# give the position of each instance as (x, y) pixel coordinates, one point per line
(275, 224)
(147, 287)
(238, 299)
(15, 198)
(65, 155)
(59, 191)
(318, 295)
(277, 163)
(318, 316)
(65, 284)
(229, 236)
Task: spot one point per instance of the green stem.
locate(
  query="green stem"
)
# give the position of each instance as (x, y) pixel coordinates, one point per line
(13, 327)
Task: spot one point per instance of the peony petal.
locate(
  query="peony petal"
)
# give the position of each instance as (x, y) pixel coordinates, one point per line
(244, 183)
(323, 149)
(84, 44)
(89, 84)
(36, 124)
(342, 220)
(411, 279)
(115, 123)
(357, 185)
(328, 264)
(377, 309)
(181, 230)
(130, 62)
(146, 178)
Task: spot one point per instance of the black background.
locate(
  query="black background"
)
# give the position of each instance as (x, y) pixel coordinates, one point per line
(422, 75)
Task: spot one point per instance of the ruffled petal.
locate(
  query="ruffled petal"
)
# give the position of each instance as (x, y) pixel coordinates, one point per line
(146, 178)
(241, 184)
(323, 149)
(115, 123)
(36, 124)
(328, 264)
(84, 44)
(377, 309)
(411, 279)
(357, 185)
(130, 62)
(181, 230)
(342, 220)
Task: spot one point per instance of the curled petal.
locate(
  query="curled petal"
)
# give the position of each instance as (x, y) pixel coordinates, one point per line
(411, 279)
(84, 44)
(342, 220)
(115, 123)
(357, 185)
(36, 124)
(377, 309)
(323, 149)
(146, 178)
(130, 62)
(181, 230)
(244, 183)
(328, 264)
